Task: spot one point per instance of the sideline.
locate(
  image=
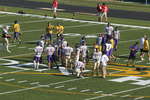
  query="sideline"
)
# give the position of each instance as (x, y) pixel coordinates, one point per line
(73, 20)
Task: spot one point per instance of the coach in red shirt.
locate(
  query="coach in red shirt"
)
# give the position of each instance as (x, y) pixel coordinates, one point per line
(54, 7)
(105, 10)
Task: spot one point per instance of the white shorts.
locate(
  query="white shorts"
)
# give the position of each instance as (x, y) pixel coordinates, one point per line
(78, 70)
(104, 14)
(54, 9)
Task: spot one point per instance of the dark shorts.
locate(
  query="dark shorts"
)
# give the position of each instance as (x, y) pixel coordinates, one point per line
(141, 50)
(48, 37)
(116, 43)
(132, 57)
(16, 35)
(146, 51)
(50, 58)
(37, 59)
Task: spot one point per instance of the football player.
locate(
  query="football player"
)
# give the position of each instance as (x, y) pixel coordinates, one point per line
(16, 29)
(79, 67)
(38, 53)
(104, 61)
(6, 37)
(96, 57)
(67, 55)
(50, 51)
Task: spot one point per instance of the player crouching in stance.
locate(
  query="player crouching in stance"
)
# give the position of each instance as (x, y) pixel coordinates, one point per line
(79, 67)
(5, 37)
(133, 50)
(103, 67)
(38, 52)
(96, 57)
(50, 51)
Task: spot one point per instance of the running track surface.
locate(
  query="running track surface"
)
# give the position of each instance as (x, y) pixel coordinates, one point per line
(71, 8)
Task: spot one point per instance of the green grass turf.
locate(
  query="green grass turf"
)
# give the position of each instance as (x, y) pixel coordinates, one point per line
(112, 4)
(93, 83)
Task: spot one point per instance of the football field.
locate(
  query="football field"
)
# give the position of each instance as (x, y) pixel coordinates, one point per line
(18, 80)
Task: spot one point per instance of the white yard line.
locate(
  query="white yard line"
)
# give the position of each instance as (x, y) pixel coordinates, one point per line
(1, 77)
(27, 22)
(11, 72)
(9, 80)
(40, 86)
(57, 87)
(74, 20)
(24, 81)
(98, 92)
(87, 90)
(16, 55)
(139, 98)
(75, 26)
(116, 93)
(69, 89)
(34, 83)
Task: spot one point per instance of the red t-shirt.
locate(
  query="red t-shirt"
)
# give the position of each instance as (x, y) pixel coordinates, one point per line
(55, 4)
(105, 8)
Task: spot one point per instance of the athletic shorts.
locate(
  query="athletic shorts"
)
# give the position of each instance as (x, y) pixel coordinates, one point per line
(146, 51)
(141, 50)
(99, 14)
(104, 14)
(67, 56)
(48, 37)
(55, 10)
(49, 58)
(37, 59)
(16, 34)
(132, 57)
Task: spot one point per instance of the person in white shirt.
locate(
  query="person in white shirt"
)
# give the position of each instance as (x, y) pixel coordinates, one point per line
(83, 50)
(38, 53)
(104, 61)
(77, 54)
(79, 67)
(96, 57)
(6, 37)
(67, 53)
(108, 47)
(50, 51)
(116, 36)
(109, 30)
(142, 39)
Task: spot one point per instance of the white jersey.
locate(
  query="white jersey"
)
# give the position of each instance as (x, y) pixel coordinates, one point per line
(79, 64)
(77, 54)
(97, 56)
(68, 51)
(104, 60)
(42, 43)
(38, 51)
(64, 44)
(50, 50)
(108, 46)
(5, 31)
(142, 42)
(117, 34)
(109, 30)
(83, 50)
(99, 40)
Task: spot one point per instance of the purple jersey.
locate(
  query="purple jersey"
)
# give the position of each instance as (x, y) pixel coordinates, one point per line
(133, 50)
